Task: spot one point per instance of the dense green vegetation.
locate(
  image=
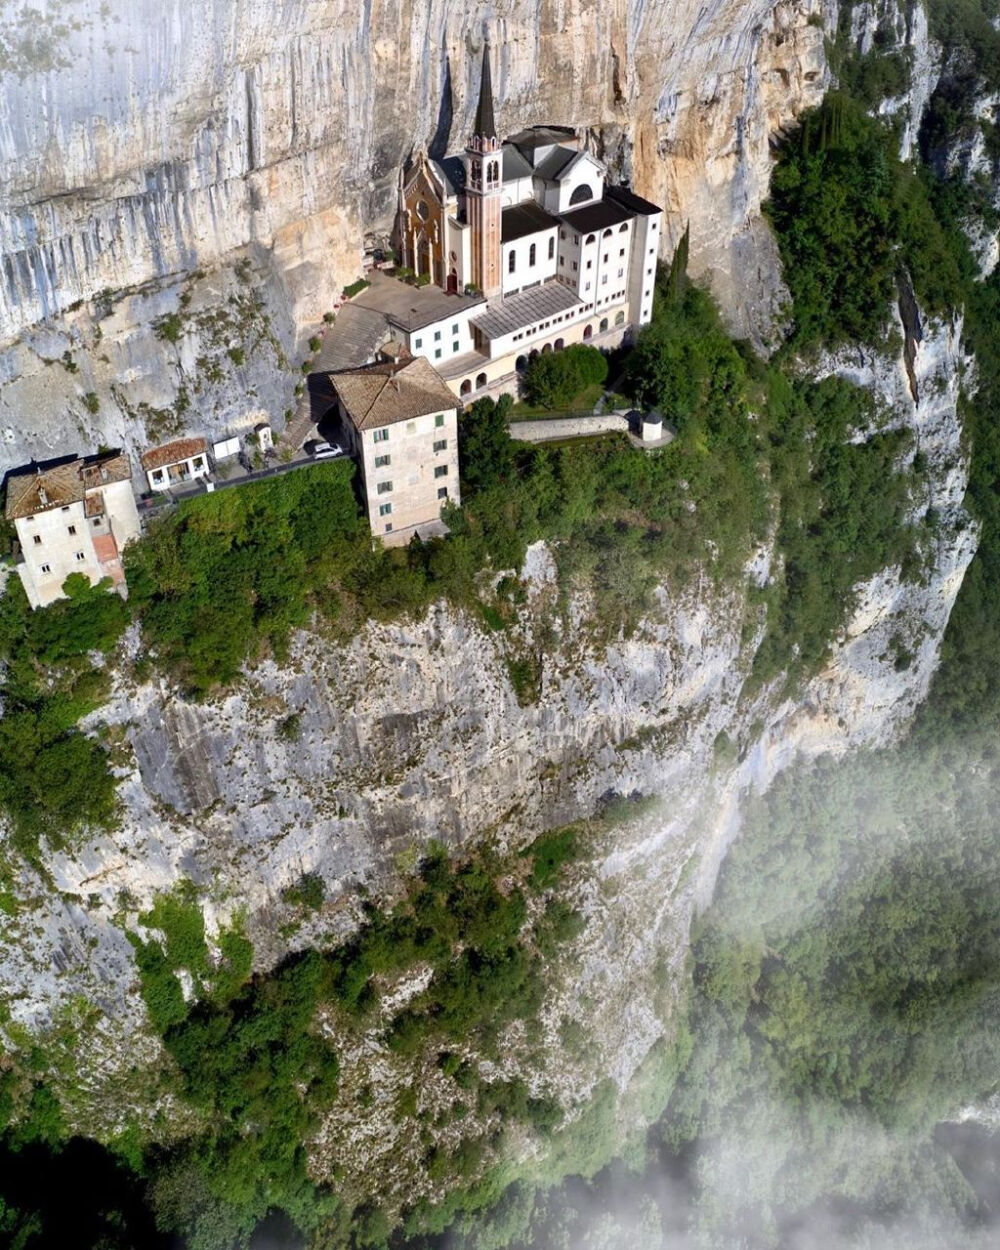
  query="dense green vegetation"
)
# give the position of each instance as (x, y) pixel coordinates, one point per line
(552, 380)
(849, 217)
(255, 1057)
(54, 779)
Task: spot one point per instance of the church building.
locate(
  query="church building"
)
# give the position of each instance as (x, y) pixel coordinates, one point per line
(538, 248)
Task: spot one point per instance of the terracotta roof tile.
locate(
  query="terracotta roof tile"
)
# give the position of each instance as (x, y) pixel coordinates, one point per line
(56, 483)
(385, 394)
(173, 453)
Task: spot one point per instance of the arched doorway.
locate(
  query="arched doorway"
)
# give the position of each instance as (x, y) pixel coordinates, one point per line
(466, 386)
(480, 381)
(532, 356)
(521, 364)
(588, 332)
(619, 319)
(453, 282)
(603, 326)
(560, 344)
(546, 348)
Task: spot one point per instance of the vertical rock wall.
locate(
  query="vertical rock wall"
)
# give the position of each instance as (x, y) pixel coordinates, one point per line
(142, 143)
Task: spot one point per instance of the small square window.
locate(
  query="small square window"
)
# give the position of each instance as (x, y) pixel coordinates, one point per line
(575, 265)
(621, 252)
(562, 260)
(590, 264)
(198, 462)
(437, 353)
(442, 492)
(605, 258)
(441, 471)
(649, 273)
(411, 427)
(437, 336)
(383, 488)
(620, 272)
(80, 557)
(38, 540)
(381, 436)
(71, 529)
(384, 509)
(46, 568)
(604, 279)
(383, 462)
(64, 508)
(576, 238)
(418, 342)
(441, 445)
(439, 420)
(454, 346)
(97, 520)
(388, 528)
(454, 328)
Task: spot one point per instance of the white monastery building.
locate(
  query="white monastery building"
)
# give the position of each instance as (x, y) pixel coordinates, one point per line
(400, 421)
(534, 248)
(72, 516)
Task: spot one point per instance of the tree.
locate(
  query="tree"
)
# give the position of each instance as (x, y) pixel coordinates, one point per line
(486, 452)
(554, 379)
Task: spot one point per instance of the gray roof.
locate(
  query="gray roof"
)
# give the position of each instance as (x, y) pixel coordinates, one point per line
(634, 203)
(451, 171)
(514, 164)
(524, 309)
(555, 164)
(524, 219)
(597, 216)
(542, 137)
(352, 340)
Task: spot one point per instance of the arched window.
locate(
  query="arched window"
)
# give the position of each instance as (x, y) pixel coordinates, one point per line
(552, 246)
(581, 193)
(492, 172)
(521, 364)
(590, 239)
(588, 331)
(603, 326)
(546, 350)
(619, 319)
(466, 387)
(480, 381)
(532, 355)
(531, 255)
(623, 227)
(607, 233)
(559, 344)
(511, 261)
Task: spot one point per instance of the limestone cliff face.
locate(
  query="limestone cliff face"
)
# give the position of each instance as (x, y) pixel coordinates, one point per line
(413, 732)
(146, 148)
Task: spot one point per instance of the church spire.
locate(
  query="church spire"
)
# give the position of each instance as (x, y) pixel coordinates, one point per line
(486, 126)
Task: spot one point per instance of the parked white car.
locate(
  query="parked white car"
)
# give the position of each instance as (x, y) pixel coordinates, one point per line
(320, 450)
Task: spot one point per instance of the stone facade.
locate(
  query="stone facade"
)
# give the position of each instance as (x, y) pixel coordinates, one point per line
(73, 516)
(400, 424)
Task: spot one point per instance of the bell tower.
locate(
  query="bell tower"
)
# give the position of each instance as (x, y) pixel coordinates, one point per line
(484, 187)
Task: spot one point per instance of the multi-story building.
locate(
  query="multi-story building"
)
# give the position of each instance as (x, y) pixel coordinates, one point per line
(400, 421)
(72, 516)
(539, 249)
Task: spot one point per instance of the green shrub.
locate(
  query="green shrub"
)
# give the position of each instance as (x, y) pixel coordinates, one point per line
(355, 288)
(554, 379)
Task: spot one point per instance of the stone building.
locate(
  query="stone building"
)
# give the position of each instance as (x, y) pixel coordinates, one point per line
(527, 230)
(72, 516)
(399, 420)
